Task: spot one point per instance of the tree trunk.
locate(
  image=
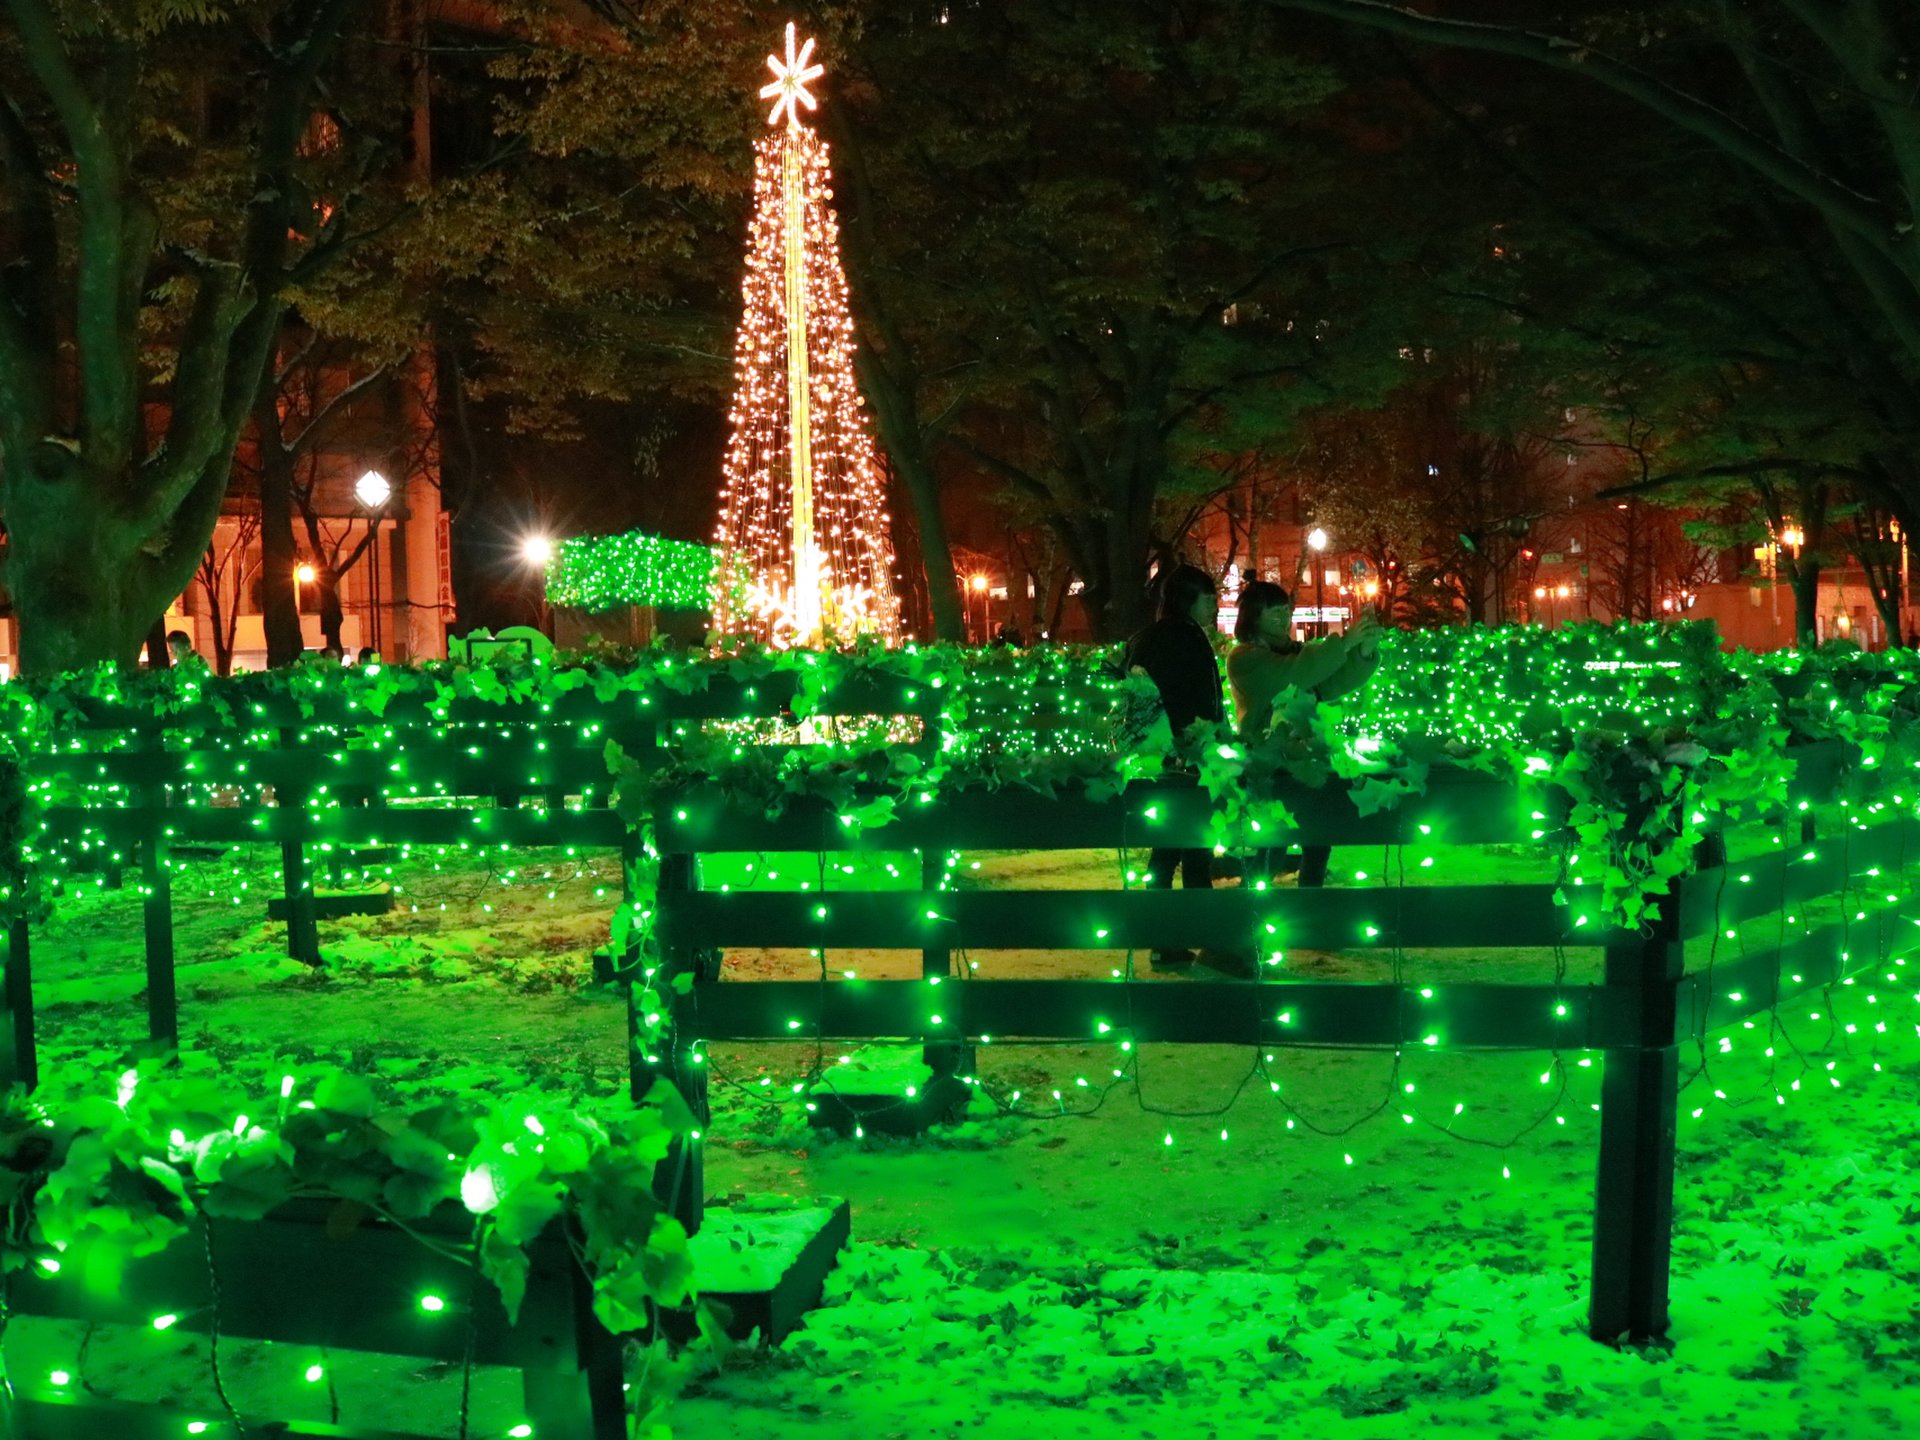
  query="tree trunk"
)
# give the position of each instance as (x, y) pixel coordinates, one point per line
(279, 555)
(1886, 600)
(80, 592)
(222, 635)
(1806, 603)
(891, 387)
(158, 656)
(1057, 608)
(936, 556)
(1128, 544)
(328, 582)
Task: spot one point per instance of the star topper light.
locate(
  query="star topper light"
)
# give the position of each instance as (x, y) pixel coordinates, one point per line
(788, 89)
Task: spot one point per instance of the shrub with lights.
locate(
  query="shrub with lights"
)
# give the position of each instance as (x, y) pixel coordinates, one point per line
(1632, 757)
(608, 572)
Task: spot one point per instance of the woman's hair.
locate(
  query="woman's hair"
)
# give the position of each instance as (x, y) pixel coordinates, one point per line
(1256, 598)
(1180, 587)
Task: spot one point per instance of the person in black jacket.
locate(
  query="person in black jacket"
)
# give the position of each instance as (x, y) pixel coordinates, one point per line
(1177, 655)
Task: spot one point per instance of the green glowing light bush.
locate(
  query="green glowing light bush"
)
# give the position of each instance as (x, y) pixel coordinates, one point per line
(1638, 741)
(22, 894)
(598, 573)
(100, 1180)
(1651, 733)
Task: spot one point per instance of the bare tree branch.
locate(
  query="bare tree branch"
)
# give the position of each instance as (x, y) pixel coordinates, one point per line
(1857, 211)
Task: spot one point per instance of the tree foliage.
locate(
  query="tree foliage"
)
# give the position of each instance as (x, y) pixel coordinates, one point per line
(172, 175)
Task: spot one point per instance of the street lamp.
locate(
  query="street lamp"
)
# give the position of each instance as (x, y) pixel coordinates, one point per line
(302, 575)
(537, 551)
(1552, 594)
(1317, 543)
(977, 585)
(373, 492)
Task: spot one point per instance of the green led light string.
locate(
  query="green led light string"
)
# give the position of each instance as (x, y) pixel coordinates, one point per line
(601, 573)
(499, 866)
(1778, 1034)
(1703, 995)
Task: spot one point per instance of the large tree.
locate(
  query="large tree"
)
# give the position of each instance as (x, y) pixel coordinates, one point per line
(158, 207)
(1801, 121)
(1123, 259)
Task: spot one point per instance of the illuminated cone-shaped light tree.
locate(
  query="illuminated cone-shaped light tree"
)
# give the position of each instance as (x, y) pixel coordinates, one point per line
(803, 535)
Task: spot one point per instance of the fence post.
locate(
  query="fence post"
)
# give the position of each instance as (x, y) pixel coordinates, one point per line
(303, 925)
(680, 1179)
(945, 1058)
(589, 1402)
(19, 1061)
(1639, 1110)
(156, 888)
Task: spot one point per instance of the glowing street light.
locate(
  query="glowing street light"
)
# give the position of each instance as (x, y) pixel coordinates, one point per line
(303, 574)
(1317, 542)
(372, 490)
(977, 585)
(537, 551)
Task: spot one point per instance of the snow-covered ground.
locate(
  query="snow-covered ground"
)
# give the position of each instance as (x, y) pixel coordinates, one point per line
(1328, 1268)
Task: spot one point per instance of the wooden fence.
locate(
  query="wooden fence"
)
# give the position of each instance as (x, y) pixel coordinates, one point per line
(131, 786)
(297, 1279)
(1645, 1006)
(488, 773)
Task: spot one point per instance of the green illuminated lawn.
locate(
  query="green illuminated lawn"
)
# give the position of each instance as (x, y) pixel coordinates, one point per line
(1020, 1276)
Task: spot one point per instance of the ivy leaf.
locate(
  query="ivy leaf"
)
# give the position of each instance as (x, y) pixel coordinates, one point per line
(346, 1093)
(566, 1153)
(525, 1210)
(411, 1195)
(506, 1264)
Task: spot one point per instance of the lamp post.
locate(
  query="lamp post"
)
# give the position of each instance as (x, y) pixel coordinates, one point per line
(373, 492)
(1317, 543)
(537, 551)
(977, 585)
(303, 574)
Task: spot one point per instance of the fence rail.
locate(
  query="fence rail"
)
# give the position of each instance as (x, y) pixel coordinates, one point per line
(1641, 1007)
(487, 774)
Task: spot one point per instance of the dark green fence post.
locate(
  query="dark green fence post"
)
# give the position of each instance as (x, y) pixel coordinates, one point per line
(303, 925)
(944, 1058)
(156, 889)
(1639, 1105)
(590, 1401)
(19, 1062)
(680, 1180)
